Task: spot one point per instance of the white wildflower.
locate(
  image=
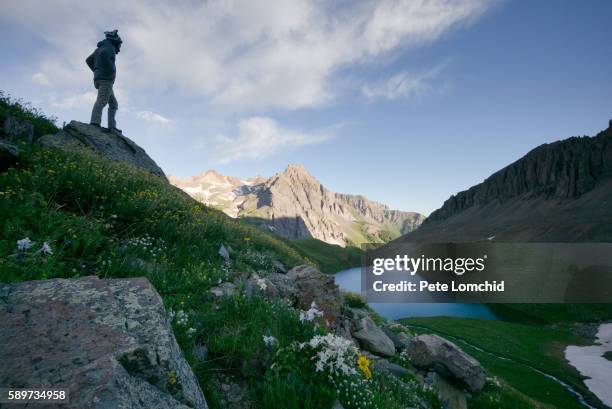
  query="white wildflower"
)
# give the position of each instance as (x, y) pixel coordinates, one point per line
(270, 340)
(46, 249)
(182, 318)
(24, 244)
(261, 283)
(334, 354)
(311, 314)
(191, 332)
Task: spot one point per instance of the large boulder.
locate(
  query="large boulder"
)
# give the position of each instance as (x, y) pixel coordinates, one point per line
(109, 342)
(9, 154)
(111, 145)
(314, 286)
(446, 358)
(372, 338)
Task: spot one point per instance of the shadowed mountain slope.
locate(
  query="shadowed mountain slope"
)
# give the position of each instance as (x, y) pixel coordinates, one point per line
(560, 191)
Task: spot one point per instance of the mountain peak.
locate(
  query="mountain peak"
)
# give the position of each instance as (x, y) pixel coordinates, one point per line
(294, 168)
(295, 205)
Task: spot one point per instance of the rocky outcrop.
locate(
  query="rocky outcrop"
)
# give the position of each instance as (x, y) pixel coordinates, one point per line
(18, 130)
(447, 359)
(119, 148)
(557, 192)
(372, 338)
(295, 205)
(313, 286)
(108, 342)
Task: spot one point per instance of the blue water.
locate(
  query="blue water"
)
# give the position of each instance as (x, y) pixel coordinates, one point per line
(350, 280)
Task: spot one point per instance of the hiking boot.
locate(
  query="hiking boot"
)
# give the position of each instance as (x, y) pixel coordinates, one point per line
(96, 125)
(116, 131)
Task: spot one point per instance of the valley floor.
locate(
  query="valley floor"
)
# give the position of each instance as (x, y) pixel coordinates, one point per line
(525, 356)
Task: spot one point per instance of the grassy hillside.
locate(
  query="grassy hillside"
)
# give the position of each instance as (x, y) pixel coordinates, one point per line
(329, 257)
(71, 214)
(539, 346)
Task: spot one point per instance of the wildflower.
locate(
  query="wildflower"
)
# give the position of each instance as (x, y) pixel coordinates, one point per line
(182, 318)
(311, 314)
(46, 249)
(334, 354)
(364, 366)
(261, 283)
(24, 244)
(171, 377)
(270, 340)
(190, 332)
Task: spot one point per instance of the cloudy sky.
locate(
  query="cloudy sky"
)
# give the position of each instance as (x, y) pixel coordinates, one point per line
(406, 102)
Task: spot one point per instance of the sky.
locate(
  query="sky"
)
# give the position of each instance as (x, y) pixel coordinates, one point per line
(404, 101)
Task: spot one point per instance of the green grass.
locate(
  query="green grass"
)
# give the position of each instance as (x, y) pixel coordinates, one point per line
(552, 313)
(503, 396)
(539, 346)
(330, 258)
(11, 107)
(112, 220)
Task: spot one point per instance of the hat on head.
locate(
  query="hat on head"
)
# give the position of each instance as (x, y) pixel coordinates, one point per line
(113, 36)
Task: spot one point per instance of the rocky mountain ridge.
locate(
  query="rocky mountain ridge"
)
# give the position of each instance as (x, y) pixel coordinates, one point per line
(294, 204)
(560, 191)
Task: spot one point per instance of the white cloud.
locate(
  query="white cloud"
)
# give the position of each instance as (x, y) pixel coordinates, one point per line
(41, 78)
(240, 55)
(403, 85)
(152, 117)
(261, 137)
(73, 101)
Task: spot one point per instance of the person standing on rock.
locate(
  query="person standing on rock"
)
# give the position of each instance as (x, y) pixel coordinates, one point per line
(102, 63)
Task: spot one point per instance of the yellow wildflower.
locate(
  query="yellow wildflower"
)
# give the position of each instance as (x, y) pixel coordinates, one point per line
(364, 366)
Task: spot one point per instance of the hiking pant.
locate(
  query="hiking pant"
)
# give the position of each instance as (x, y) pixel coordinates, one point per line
(105, 96)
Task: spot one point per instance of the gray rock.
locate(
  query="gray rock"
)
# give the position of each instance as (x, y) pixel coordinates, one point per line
(224, 252)
(372, 338)
(262, 286)
(358, 313)
(391, 368)
(109, 342)
(18, 130)
(77, 135)
(400, 339)
(284, 285)
(446, 358)
(9, 154)
(450, 396)
(343, 329)
(314, 286)
(226, 290)
(279, 267)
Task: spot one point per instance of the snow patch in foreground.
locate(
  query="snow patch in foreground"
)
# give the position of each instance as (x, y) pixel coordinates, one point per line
(589, 361)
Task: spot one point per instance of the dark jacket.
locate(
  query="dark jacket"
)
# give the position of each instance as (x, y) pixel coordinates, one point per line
(102, 61)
